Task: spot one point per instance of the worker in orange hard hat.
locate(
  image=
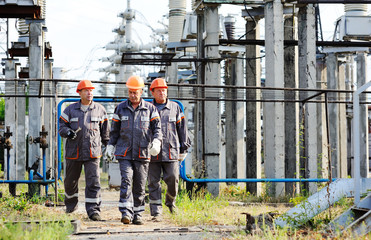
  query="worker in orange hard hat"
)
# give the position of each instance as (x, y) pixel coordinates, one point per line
(135, 136)
(175, 143)
(85, 125)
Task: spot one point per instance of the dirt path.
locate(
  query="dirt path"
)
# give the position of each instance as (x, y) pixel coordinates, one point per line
(112, 228)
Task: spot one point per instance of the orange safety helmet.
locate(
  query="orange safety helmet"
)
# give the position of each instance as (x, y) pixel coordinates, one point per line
(158, 83)
(84, 84)
(135, 82)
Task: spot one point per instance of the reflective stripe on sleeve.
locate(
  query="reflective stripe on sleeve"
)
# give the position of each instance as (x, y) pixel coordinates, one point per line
(115, 118)
(65, 117)
(181, 116)
(74, 119)
(154, 115)
(71, 196)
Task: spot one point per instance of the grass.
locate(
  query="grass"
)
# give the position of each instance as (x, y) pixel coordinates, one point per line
(27, 218)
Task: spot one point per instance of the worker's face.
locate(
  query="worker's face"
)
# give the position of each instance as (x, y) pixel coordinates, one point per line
(86, 95)
(134, 95)
(160, 95)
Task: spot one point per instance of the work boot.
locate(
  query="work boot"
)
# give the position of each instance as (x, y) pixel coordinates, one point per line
(71, 210)
(157, 218)
(125, 219)
(95, 217)
(138, 220)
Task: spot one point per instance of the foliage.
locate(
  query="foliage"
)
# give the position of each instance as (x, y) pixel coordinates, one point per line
(25, 217)
(2, 109)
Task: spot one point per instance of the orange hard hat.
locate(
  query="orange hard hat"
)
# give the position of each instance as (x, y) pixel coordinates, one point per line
(135, 82)
(84, 84)
(158, 83)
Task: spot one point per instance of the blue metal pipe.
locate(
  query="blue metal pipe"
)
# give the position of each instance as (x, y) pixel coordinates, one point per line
(183, 175)
(26, 181)
(7, 164)
(44, 165)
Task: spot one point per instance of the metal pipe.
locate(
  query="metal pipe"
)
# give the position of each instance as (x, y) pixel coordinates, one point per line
(7, 164)
(183, 175)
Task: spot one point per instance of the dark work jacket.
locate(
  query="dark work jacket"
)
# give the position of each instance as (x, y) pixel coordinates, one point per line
(94, 131)
(175, 136)
(133, 131)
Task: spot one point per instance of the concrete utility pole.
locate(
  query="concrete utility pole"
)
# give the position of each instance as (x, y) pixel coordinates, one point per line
(253, 109)
(274, 125)
(333, 110)
(36, 57)
(49, 113)
(322, 146)
(198, 151)
(11, 116)
(291, 108)
(234, 121)
(212, 108)
(307, 79)
(342, 167)
(363, 127)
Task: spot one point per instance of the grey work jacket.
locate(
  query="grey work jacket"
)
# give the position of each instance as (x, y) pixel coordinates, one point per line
(94, 131)
(133, 131)
(175, 136)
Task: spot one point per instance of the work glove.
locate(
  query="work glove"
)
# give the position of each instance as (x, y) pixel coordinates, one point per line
(182, 156)
(71, 134)
(110, 150)
(156, 147)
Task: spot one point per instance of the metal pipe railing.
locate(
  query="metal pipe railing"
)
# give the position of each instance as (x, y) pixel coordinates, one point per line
(183, 175)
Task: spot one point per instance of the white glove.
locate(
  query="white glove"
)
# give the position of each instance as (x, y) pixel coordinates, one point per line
(182, 156)
(156, 147)
(110, 150)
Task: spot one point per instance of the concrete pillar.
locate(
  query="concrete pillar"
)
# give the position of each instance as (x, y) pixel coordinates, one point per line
(212, 129)
(274, 125)
(307, 79)
(291, 108)
(342, 168)
(21, 130)
(234, 121)
(36, 58)
(10, 118)
(321, 119)
(363, 124)
(198, 151)
(49, 113)
(253, 109)
(333, 111)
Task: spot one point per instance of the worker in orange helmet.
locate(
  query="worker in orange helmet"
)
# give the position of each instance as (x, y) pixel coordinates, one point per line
(135, 136)
(86, 127)
(175, 143)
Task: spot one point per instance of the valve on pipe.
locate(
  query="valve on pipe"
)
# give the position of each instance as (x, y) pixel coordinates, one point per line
(5, 140)
(41, 139)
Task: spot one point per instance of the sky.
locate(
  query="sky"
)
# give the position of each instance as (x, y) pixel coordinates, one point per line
(79, 30)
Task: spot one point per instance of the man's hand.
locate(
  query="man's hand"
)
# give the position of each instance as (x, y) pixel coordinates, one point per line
(182, 156)
(110, 150)
(71, 134)
(156, 147)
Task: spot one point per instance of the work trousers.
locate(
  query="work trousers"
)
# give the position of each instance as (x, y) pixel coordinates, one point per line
(170, 172)
(92, 189)
(132, 191)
